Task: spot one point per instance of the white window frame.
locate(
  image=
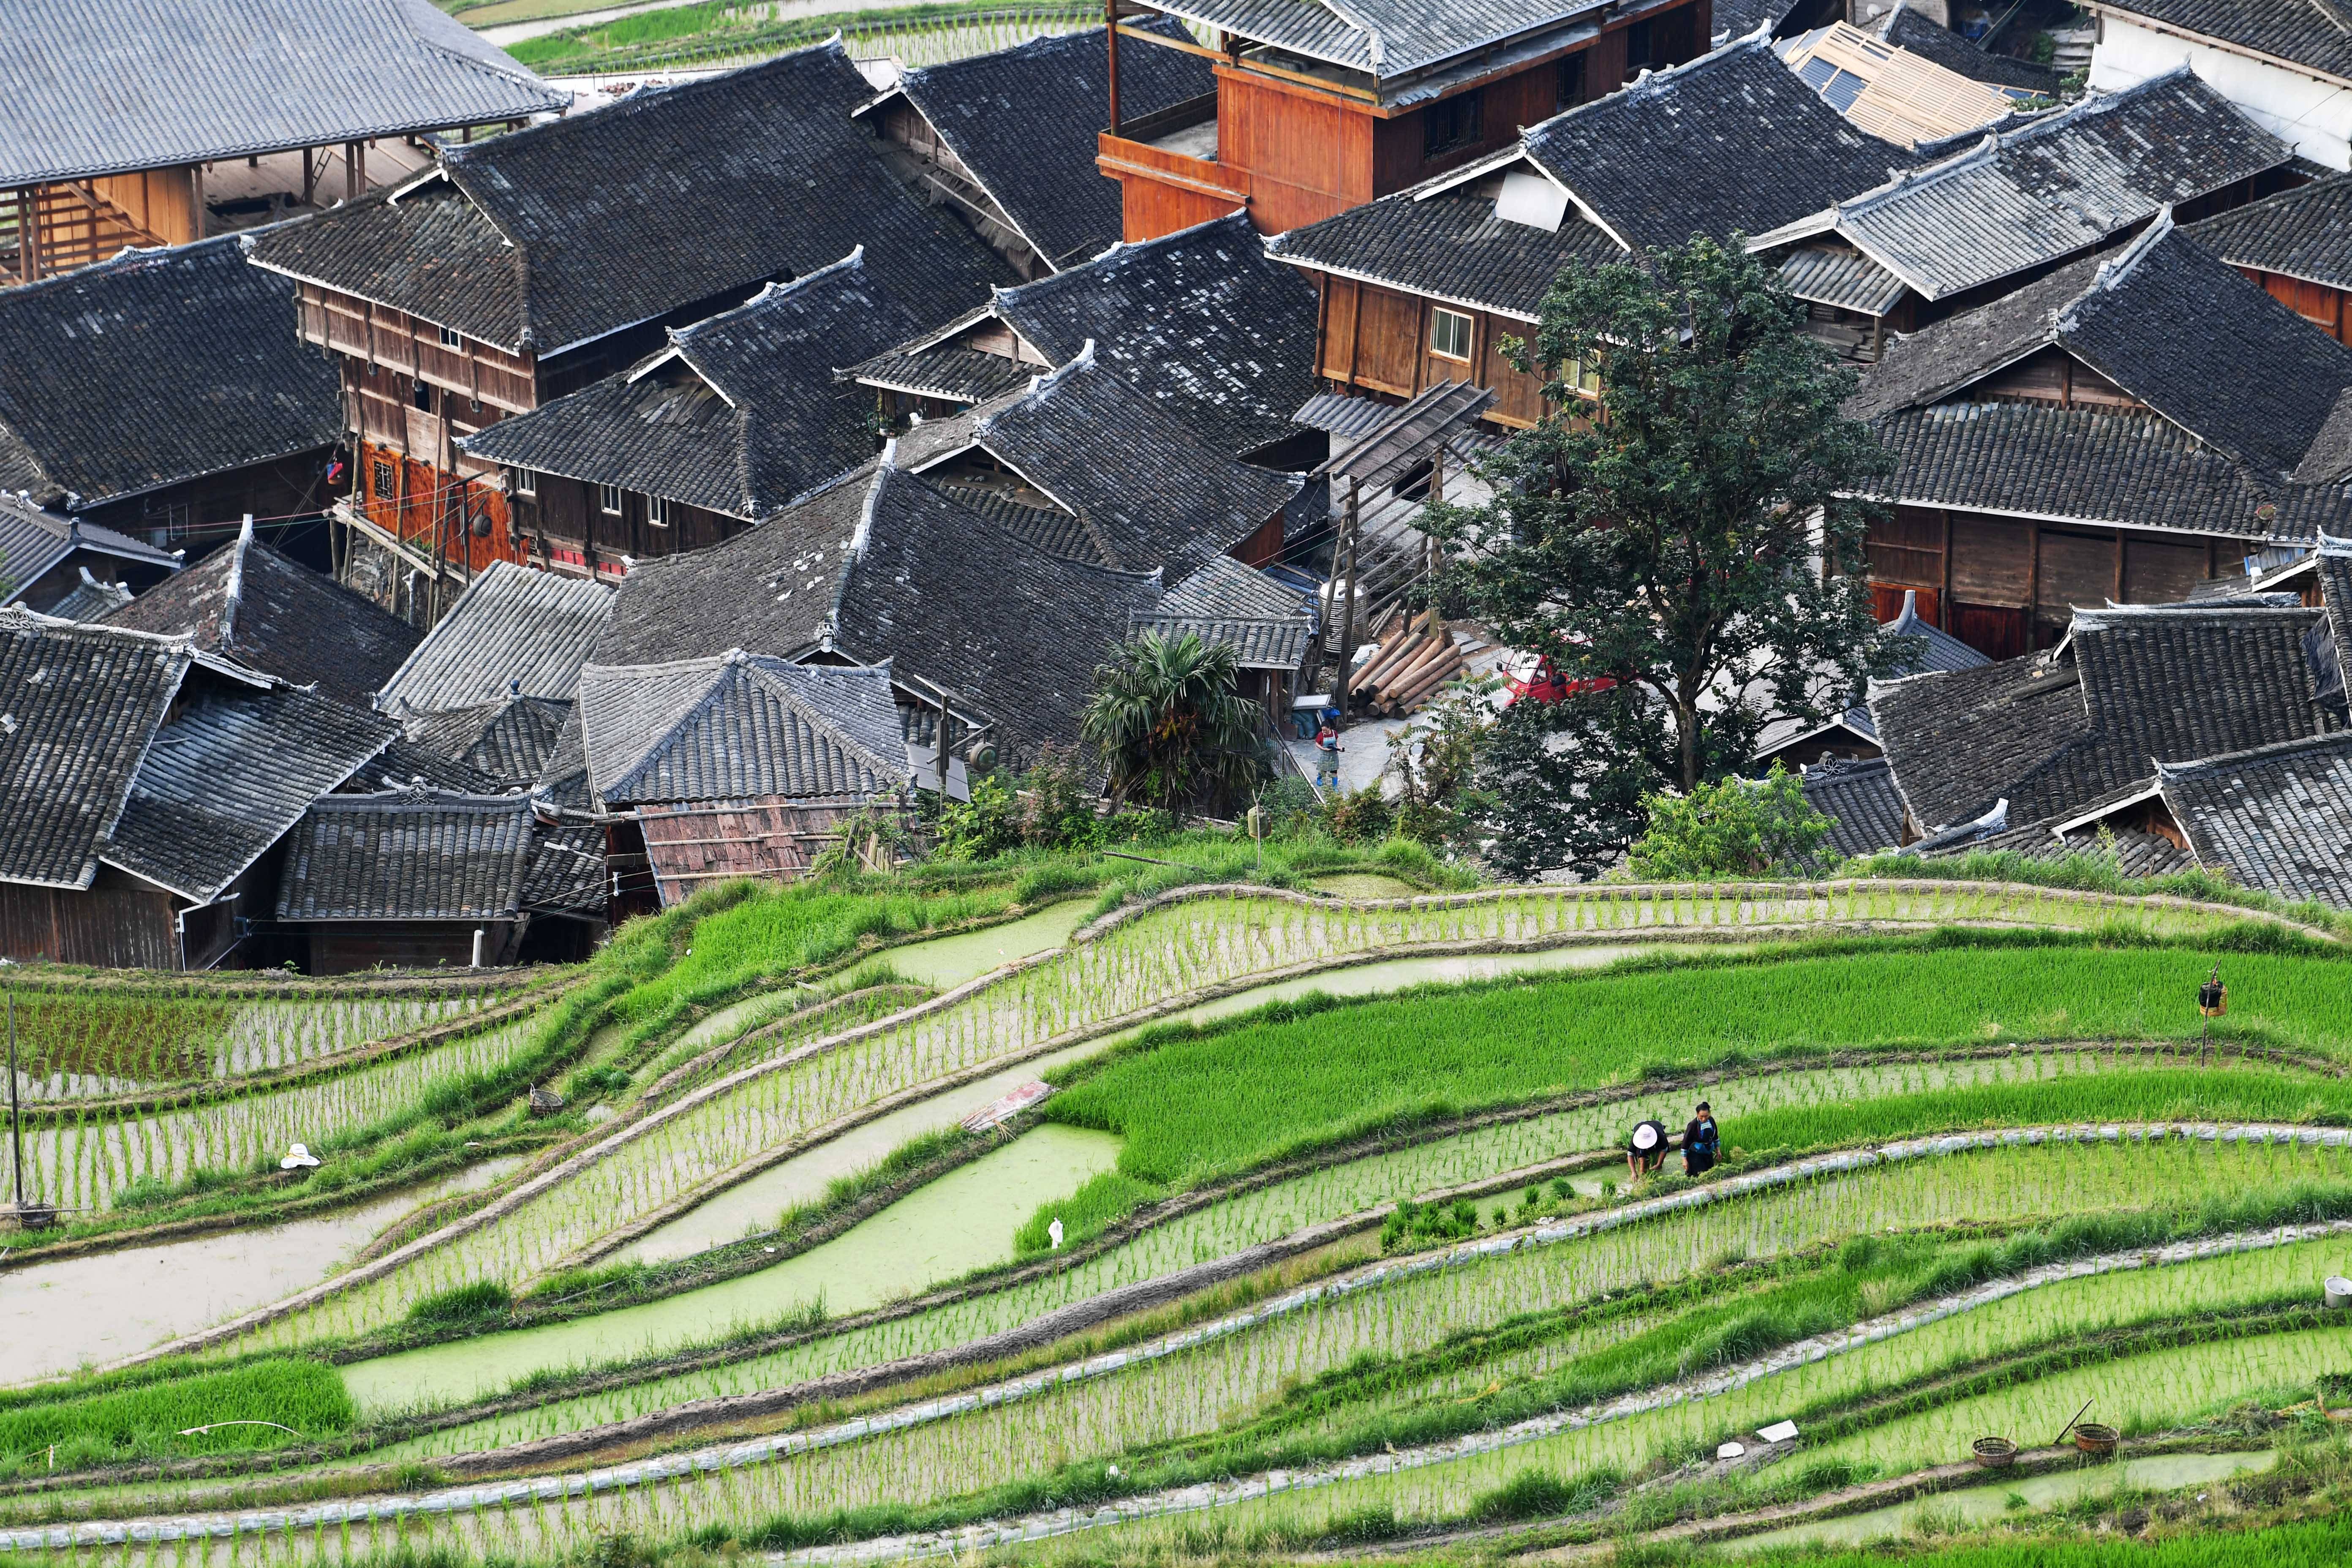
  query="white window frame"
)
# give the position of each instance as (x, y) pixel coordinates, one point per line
(1440, 320)
(451, 338)
(608, 500)
(657, 510)
(522, 482)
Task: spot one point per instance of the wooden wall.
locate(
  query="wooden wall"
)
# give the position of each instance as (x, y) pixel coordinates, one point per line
(161, 201)
(2318, 303)
(204, 512)
(772, 837)
(1373, 339)
(119, 922)
(448, 520)
(2008, 586)
(565, 521)
(342, 949)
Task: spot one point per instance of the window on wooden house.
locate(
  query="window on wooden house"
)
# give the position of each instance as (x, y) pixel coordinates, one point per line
(657, 512)
(1569, 86)
(383, 480)
(1641, 50)
(522, 482)
(1453, 124)
(451, 338)
(1585, 378)
(422, 394)
(608, 500)
(1449, 334)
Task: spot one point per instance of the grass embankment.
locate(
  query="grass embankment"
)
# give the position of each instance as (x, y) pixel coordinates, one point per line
(727, 29)
(245, 1406)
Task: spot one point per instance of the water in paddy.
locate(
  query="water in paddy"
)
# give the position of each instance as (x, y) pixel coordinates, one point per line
(963, 1221)
(55, 1317)
(1976, 1506)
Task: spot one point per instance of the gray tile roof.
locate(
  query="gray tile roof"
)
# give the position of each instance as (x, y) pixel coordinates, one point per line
(1730, 141)
(1024, 120)
(738, 727)
(77, 707)
(510, 625)
(2253, 383)
(508, 739)
(407, 855)
(89, 600)
(249, 602)
(1939, 650)
(403, 764)
(548, 238)
(1151, 495)
(1908, 29)
(33, 541)
(2061, 463)
(97, 87)
(2303, 233)
(1268, 624)
(1390, 40)
(2314, 33)
(567, 870)
(156, 367)
(1832, 275)
(563, 777)
(1199, 321)
(886, 565)
(1860, 800)
(1049, 527)
(2138, 852)
(2055, 186)
(742, 413)
(227, 778)
(2278, 817)
(2053, 732)
(964, 375)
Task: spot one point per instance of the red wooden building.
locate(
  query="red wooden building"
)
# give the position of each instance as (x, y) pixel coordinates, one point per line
(2298, 246)
(1320, 107)
(524, 267)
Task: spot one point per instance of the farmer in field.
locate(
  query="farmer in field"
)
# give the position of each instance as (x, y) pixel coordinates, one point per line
(1646, 1150)
(1701, 1141)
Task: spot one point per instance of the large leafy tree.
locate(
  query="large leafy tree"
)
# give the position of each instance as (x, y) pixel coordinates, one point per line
(1691, 535)
(1170, 725)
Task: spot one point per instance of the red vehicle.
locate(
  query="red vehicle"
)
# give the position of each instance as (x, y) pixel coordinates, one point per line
(1530, 678)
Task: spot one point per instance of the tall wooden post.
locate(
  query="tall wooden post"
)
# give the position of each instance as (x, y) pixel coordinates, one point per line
(1436, 495)
(1111, 37)
(15, 1119)
(943, 751)
(29, 232)
(1348, 548)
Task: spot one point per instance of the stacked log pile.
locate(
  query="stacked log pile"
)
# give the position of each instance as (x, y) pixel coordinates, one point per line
(1417, 656)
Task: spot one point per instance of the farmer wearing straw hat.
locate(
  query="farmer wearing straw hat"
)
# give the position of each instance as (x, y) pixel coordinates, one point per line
(1646, 1150)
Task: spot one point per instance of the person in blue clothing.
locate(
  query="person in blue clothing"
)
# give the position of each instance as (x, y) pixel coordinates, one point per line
(1326, 751)
(1701, 1141)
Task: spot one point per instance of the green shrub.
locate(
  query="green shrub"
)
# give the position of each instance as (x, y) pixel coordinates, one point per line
(472, 1303)
(1738, 828)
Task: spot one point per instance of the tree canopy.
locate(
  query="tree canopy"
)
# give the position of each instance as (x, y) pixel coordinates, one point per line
(1689, 530)
(1170, 725)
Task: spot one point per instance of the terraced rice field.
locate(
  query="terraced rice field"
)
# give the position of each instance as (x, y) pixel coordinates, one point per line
(1324, 1273)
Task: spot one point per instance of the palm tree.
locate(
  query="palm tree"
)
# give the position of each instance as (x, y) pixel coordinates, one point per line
(1169, 723)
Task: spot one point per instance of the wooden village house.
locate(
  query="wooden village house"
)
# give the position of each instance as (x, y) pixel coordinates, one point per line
(1423, 286)
(157, 122)
(2119, 431)
(1989, 215)
(159, 396)
(2287, 65)
(1320, 108)
(524, 267)
(2298, 246)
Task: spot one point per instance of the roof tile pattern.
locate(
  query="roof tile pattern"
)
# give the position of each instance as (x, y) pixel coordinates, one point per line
(228, 777)
(2278, 818)
(92, 87)
(33, 542)
(511, 628)
(740, 726)
(1451, 247)
(554, 235)
(2306, 31)
(77, 706)
(506, 738)
(1199, 321)
(2056, 185)
(285, 620)
(1860, 800)
(742, 413)
(407, 855)
(156, 367)
(1908, 29)
(2303, 233)
(1024, 122)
